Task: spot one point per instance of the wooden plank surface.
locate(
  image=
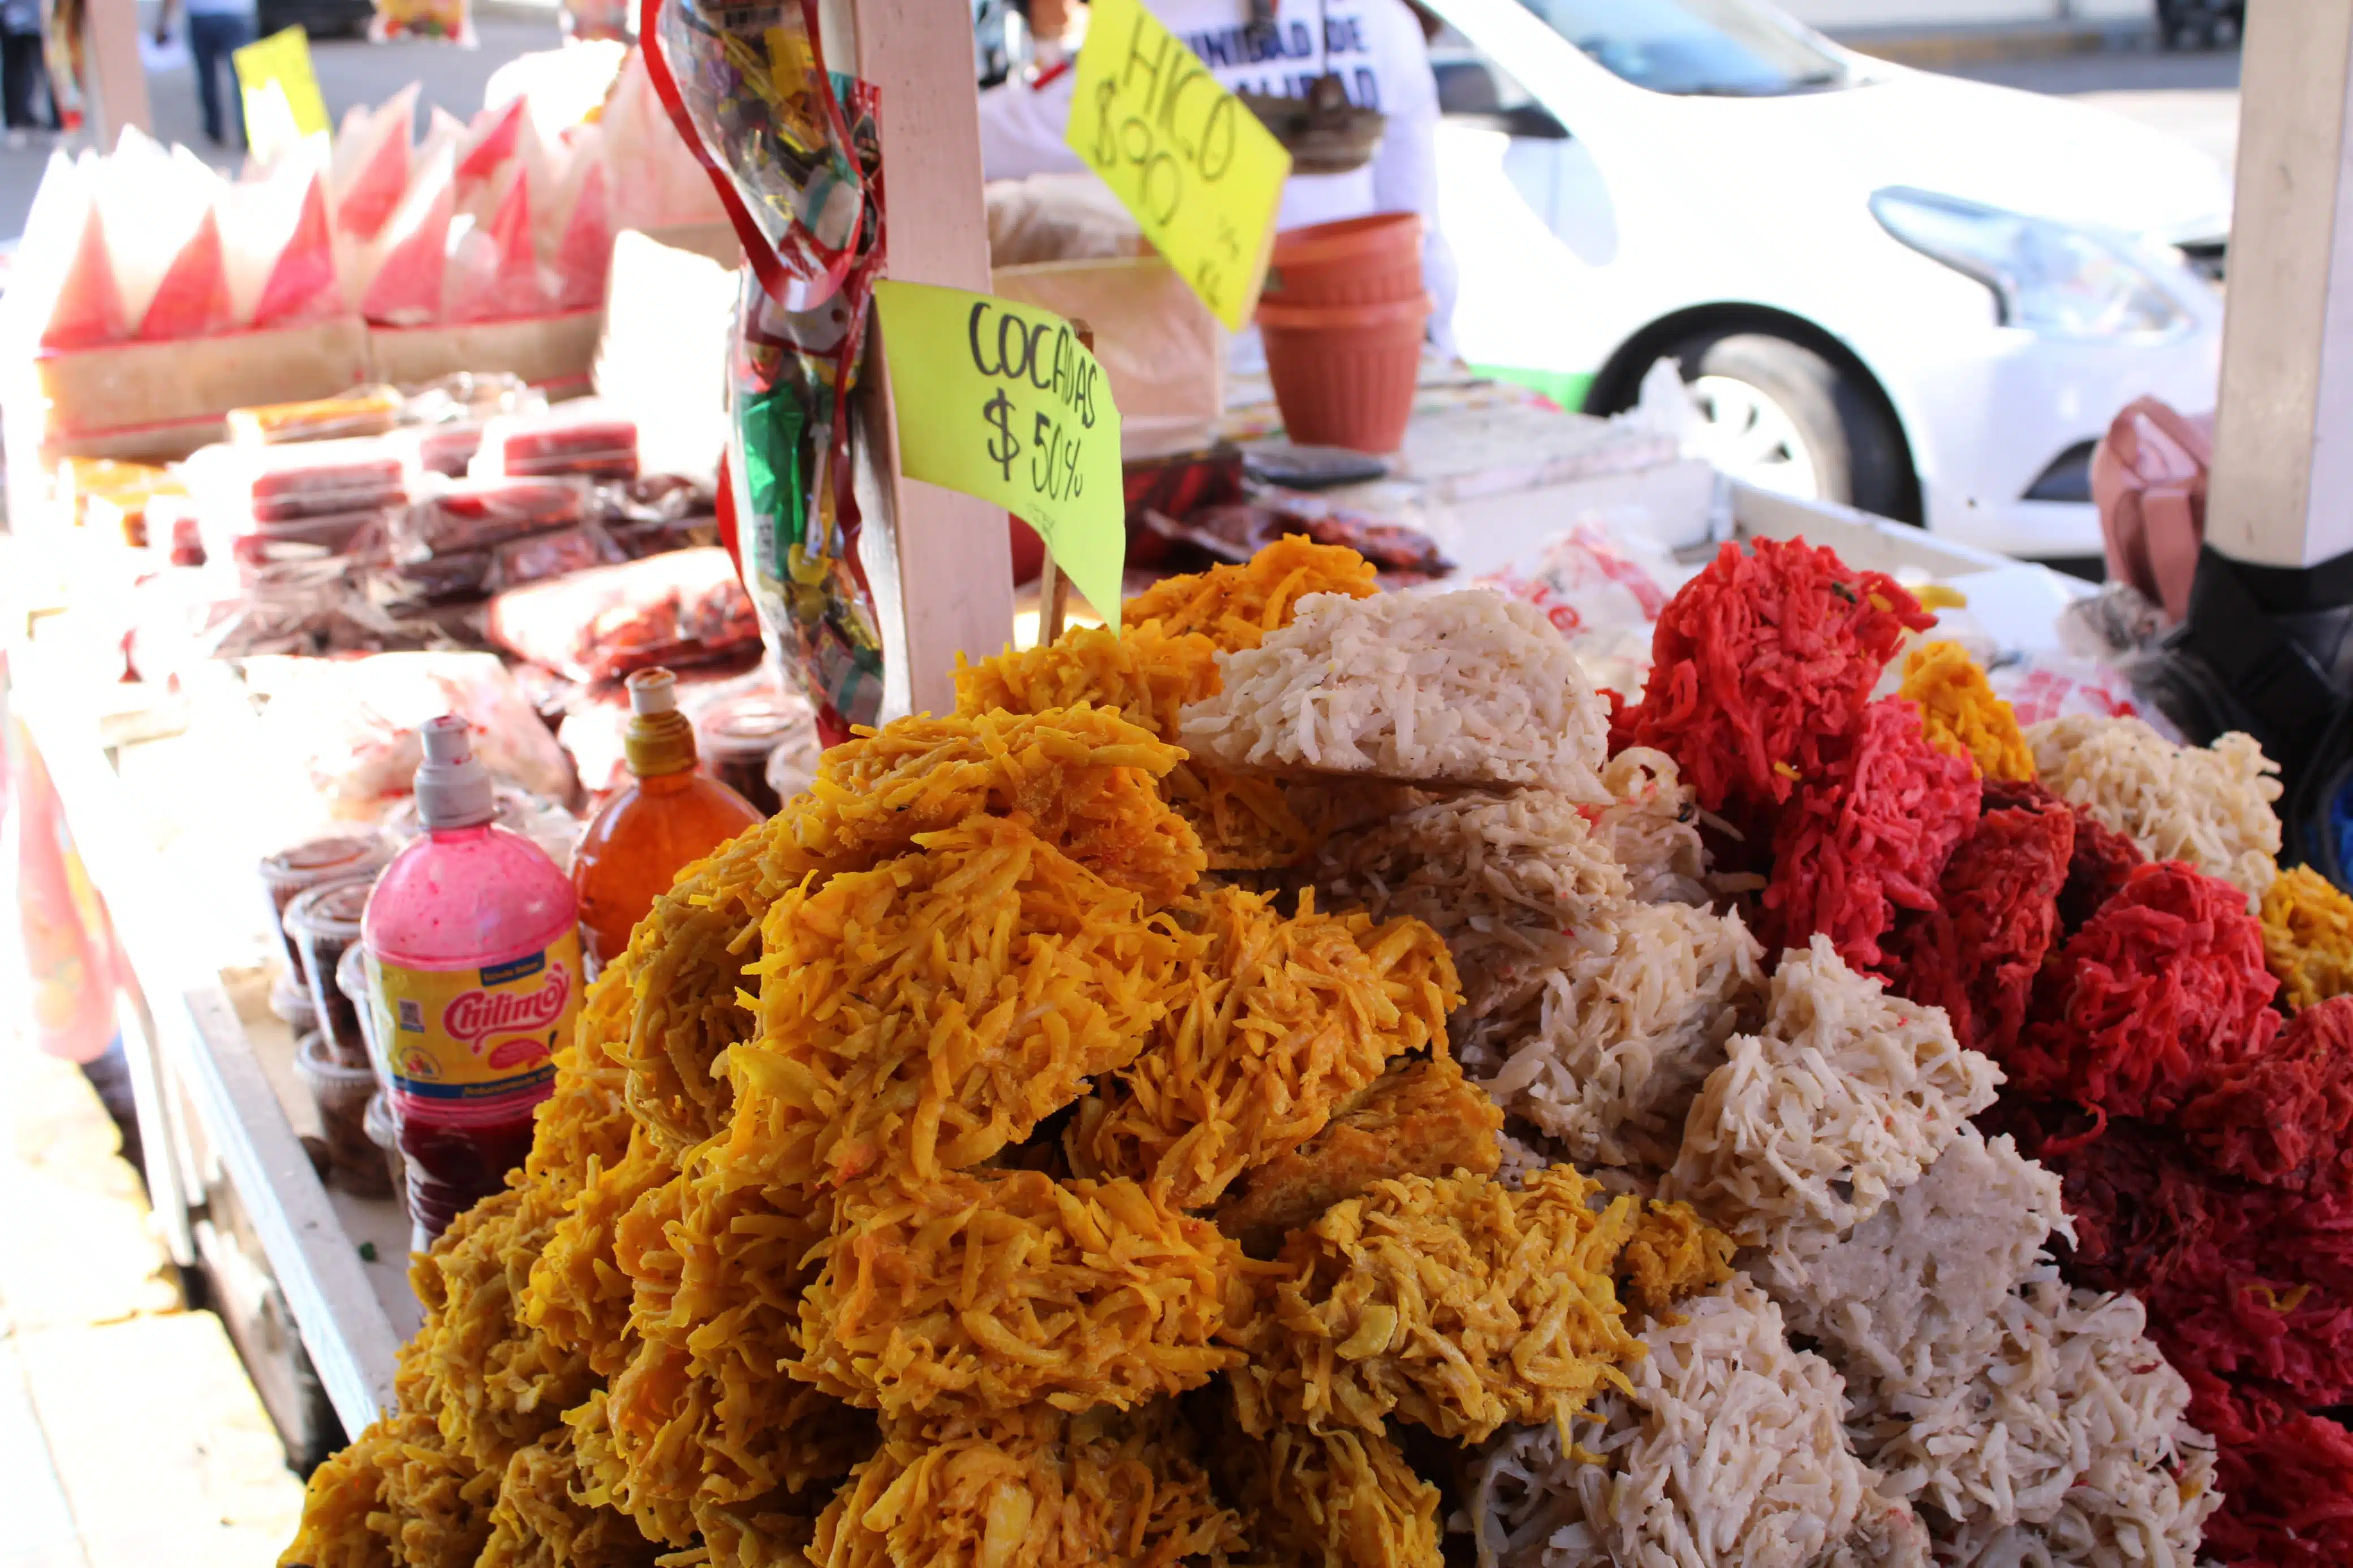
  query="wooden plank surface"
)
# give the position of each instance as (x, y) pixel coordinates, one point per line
(201, 1046)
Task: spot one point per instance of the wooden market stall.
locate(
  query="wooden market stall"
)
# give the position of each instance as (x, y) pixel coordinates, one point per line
(312, 1280)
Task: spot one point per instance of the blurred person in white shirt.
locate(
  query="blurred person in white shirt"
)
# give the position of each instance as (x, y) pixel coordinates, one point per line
(1379, 50)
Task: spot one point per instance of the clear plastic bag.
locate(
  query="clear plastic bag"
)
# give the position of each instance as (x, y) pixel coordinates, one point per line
(748, 90)
(441, 21)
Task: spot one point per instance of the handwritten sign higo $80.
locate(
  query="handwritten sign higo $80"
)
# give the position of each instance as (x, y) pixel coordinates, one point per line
(1188, 159)
(1001, 400)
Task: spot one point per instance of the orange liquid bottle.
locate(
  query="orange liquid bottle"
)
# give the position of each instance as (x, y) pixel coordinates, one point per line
(668, 817)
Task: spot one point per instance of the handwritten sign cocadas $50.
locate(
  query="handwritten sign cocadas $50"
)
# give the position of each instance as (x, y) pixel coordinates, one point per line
(1193, 164)
(1001, 400)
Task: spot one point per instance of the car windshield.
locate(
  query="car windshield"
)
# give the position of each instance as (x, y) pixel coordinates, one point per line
(1723, 48)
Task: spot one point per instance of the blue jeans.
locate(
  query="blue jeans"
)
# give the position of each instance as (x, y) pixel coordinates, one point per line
(211, 37)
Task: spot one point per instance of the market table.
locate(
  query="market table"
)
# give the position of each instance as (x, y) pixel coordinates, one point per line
(168, 796)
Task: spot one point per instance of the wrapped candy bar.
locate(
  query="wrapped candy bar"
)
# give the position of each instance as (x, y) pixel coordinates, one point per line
(685, 607)
(580, 439)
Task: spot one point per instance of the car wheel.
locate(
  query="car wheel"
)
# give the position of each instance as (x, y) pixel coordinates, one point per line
(1784, 418)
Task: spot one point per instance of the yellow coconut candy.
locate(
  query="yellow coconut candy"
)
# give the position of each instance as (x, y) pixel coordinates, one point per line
(703, 1415)
(923, 1015)
(1280, 1023)
(577, 1295)
(538, 1521)
(1456, 1303)
(1333, 1499)
(494, 1382)
(1084, 778)
(395, 1497)
(583, 1123)
(986, 1292)
(1244, 823)
(1040, 1490)
(1961, 714)
(2308, 937)
(1236, 606)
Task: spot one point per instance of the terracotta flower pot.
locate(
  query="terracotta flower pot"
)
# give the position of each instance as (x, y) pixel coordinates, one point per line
(1344, 375)
(1374, 260)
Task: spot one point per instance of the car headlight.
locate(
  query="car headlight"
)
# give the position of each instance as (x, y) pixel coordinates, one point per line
(2051, 277)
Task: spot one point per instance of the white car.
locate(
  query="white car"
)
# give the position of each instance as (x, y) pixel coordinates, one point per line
(1920, 295)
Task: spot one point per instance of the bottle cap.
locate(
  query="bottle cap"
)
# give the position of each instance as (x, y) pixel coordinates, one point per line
(453, 788)
(653, 691)
(658, 740)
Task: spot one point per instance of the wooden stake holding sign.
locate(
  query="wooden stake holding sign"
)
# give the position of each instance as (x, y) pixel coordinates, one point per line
(1005, 401)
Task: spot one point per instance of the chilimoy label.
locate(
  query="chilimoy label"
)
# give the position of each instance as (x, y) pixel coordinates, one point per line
(468, 1037)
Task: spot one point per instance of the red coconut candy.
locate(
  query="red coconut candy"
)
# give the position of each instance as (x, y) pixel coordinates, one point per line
(2286, 1480)
(1761, 665)
(1871, 836)
(2286, 1118)
(1975, 952)
(2162, 987)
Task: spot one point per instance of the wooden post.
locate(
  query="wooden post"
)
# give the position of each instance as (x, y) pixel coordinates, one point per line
(2282, 487)
(116, 82)
(953, 551)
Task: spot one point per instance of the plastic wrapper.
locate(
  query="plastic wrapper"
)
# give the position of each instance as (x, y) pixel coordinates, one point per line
(656, 180)
(478, 514)
(370, 163)
(291, 483)
(1602, 597)
(2040, 687)
(352, 724)
(442, 21)
(581, 222)
(192, 298)
(403, 269)
(583, 439)
(62, 266)
(682, 609)
(804, 473)
(152, 204)
(748, 90)
(364, 411)
(493, 272)
(282, 246)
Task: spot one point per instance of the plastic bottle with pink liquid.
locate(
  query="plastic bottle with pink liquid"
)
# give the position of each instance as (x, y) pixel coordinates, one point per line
(473, 957)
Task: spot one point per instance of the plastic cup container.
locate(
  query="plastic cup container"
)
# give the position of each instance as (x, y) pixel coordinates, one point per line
(1343, 375)
(384, 1133)
(738, 737)
(1370, 260)
(342, 1093)
(325, 923)
(791, 768)
(351, 979)
(289, 1000)
(291, 872)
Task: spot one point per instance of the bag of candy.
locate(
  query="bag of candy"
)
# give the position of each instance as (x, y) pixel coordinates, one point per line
(747, 88)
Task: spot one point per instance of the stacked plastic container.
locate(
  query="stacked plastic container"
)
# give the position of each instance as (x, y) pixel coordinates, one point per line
(1343, 315)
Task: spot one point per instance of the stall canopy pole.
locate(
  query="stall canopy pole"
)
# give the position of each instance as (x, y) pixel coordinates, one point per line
(955, 553)
(2282, 487)
(116, 80)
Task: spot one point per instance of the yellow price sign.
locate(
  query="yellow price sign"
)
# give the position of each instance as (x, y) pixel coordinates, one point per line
(1202, 176)
(280, 93)
(1001, 400)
